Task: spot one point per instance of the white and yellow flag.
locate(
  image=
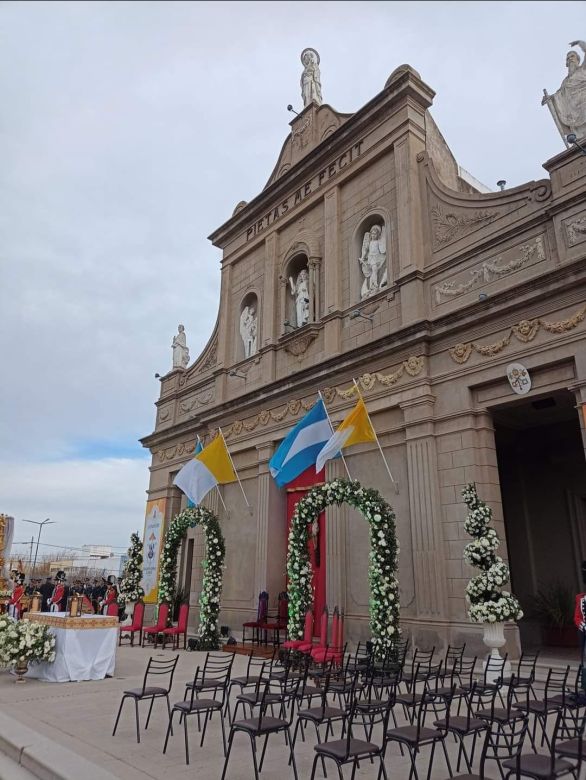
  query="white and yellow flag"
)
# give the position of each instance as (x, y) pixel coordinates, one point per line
(209, 468)
(354, 429)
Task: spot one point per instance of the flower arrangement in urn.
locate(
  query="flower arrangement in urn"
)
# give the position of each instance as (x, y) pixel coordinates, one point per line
(23, 642)
(488, 603)
(129, 587)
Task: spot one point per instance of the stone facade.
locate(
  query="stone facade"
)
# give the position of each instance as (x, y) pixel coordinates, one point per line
(475, 281)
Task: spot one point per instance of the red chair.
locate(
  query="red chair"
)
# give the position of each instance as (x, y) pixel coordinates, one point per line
(136, 625)
(261, 618)
(112, 609)
(181, 628)
(294, 644)
(323, 634)
(335, 651)
(281, 622)
(159, 626)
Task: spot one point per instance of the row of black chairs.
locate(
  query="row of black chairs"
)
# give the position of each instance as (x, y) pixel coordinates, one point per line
(363, 691)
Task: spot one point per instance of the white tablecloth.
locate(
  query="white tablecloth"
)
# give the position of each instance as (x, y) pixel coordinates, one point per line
(81, 654)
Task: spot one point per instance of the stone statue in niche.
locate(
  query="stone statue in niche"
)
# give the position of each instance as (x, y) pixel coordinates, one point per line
(248, 328)
(300, 291)
(180, 351)
(568, 103)
(310, 78)
(373, 261)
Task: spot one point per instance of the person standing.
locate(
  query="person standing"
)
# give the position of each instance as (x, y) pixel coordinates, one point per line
(58, 600)
(46, 591)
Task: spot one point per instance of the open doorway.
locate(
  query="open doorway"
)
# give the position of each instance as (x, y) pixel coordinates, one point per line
(542, 473)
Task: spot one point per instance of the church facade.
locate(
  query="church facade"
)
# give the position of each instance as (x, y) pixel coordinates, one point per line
(370, 255)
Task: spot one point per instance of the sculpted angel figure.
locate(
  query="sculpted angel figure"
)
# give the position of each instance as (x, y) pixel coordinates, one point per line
(180, 351)
(300, 291)
(310, 78)
(373, 261)
(568, 103)
(248, 329)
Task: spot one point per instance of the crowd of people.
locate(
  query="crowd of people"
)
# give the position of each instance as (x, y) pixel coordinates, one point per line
(97, 594)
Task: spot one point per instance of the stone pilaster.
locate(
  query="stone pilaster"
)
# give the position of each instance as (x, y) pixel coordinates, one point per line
(271, 536)
(425, 510)
(332, 271)
(336, 523)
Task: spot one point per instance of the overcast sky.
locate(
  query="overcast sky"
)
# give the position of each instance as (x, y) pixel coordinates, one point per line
(129, 131)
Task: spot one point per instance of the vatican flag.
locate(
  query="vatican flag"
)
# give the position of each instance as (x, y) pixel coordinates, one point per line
(207, 469)
(354, 429)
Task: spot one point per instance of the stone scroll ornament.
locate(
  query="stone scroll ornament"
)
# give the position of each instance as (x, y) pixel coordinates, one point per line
(567, 105)
(487, 601)
(382, 568)
(213, 568)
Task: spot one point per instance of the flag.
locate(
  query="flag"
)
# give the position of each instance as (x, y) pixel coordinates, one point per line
(299, 449)
(210, 467)
(197, 450)
(354, 429)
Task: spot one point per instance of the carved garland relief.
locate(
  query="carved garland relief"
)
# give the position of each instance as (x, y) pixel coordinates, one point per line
(576, 231)
(524, 331)
(447, 226)
(491, 270)
(412, 367)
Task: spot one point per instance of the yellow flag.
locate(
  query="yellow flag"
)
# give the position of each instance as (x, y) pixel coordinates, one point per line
(216, 459)
(359, 421)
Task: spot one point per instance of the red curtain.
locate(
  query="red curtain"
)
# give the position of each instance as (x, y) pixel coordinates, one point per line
(296, 490)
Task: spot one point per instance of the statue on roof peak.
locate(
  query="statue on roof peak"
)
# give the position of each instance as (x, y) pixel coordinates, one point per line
(310, 78)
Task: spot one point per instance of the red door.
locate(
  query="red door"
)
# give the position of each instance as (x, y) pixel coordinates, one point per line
(295, 492)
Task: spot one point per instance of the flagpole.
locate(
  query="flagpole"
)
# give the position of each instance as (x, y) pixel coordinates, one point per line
(217, 486)
(376, 439)
(234, 467)
(332, 427)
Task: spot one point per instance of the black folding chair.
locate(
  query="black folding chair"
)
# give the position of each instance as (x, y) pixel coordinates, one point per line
(152, 692)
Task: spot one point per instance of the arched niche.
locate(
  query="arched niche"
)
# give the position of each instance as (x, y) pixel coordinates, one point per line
(248, 327)
(370, 267)
(300, 284)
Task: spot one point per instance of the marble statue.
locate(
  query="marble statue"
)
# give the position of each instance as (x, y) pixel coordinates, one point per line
(310, 78)
(180, 350)
(568, 103)
(248, 326)
(300, 291)
(373, 261)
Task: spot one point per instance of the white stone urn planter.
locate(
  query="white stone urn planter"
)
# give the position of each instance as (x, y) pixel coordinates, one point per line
(494, 639)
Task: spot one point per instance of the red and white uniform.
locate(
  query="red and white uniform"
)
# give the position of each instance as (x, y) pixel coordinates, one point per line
(110, 598)
(58, 593)
(580, 612)
(14, 605)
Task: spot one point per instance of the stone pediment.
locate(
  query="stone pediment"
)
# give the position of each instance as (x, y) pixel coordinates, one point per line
(309, 128)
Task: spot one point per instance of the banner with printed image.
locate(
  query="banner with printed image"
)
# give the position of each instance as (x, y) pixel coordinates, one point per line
(153, 539)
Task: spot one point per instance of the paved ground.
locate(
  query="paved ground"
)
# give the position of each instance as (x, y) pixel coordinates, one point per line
(81, 716)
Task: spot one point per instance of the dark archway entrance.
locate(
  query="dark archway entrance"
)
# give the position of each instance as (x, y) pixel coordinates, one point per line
(542, 472)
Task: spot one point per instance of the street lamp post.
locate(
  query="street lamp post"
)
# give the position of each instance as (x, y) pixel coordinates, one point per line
(36, 522)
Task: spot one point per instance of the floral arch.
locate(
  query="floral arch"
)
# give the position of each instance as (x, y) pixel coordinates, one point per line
(382, 568)
(213, 566)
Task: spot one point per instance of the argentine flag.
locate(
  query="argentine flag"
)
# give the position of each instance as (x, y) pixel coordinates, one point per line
(300, 448)
(197, 450)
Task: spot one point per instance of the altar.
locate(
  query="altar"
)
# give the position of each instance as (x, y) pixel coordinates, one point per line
(85, 647)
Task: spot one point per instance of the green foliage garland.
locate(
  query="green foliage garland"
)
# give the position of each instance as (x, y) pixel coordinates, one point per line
(129, 587)
(384, 550)
(488, 602)
(213, 566)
